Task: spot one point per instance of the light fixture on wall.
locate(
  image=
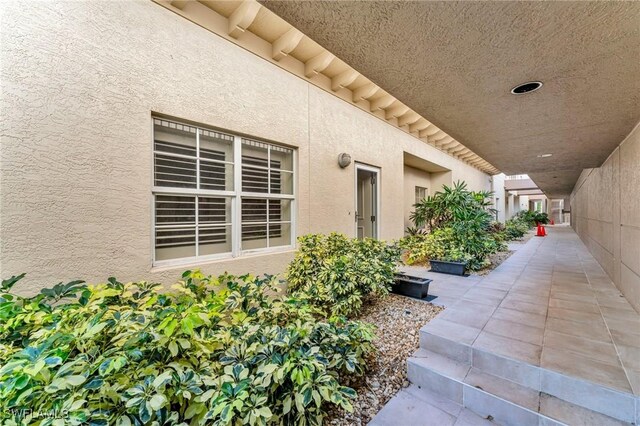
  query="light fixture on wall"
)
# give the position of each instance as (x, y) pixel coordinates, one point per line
(344, 160)
(544, 155)
(528, 87)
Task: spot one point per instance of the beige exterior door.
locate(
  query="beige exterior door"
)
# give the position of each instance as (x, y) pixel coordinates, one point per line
(367, 201)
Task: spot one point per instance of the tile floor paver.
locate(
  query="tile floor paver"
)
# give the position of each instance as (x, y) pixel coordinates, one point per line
(526, 318)
(553, 284)
(594, 331)
(514, 330)
(508, 347)
(576, 365)
(518, 305)
(548, 318)
(604, 351)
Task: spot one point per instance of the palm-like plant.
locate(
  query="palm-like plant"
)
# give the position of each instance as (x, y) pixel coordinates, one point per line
(454, 204)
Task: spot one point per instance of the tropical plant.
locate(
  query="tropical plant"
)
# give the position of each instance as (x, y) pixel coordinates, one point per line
(128, 354)
(336, 273)
(440, 244)
(453, 204)
(461, 228)
(515, 229)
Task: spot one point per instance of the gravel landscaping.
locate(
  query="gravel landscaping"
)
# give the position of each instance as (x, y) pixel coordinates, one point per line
(398, 320)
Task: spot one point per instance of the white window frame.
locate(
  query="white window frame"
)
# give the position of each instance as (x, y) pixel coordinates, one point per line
(426, 192)
(236, 201)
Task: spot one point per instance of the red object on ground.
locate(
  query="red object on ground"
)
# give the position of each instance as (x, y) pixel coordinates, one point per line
(540, 231)
(552, 222)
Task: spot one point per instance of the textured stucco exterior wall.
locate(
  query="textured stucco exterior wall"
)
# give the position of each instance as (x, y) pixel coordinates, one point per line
(80, 81)
(605, 212)
(499, 198)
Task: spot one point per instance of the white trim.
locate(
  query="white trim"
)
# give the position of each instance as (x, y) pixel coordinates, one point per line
(235, 197)
(236, 210)
(377, 171)
(192, 191)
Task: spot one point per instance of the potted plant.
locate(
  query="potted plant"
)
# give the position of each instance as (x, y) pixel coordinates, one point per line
(408, 285)
(453, 261)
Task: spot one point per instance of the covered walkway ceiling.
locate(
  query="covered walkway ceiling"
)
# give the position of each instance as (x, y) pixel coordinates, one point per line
(455, 62)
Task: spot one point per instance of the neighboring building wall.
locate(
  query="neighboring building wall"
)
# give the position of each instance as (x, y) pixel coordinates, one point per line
(413, 177)
(76, 169)
(499, 201)
(605, 212)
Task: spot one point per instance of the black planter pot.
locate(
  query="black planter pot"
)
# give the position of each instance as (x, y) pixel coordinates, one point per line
(444, 267)
(408, 285)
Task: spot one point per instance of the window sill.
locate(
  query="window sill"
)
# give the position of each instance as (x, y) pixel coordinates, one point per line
(227, 258)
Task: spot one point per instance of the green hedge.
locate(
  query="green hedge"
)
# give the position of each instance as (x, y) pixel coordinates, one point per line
(336, 273)
(127, 354)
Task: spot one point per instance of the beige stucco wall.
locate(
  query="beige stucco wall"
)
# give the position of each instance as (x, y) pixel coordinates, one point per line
(499, 196)
(80, 81)
(413, 177)
(605, 212)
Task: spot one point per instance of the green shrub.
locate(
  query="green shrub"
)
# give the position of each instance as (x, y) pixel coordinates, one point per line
(458, 243)
(440, 244)
(454, 204)
(531, 218)
(515, 229)
(336, 273)
(127, 354)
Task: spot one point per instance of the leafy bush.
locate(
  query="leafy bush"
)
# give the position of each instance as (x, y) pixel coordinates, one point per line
(515, 229)
(458, 243)
(461, 225)
(440, 244)
(127, 354)
(531, 218)
(336, 273)
(453, 204)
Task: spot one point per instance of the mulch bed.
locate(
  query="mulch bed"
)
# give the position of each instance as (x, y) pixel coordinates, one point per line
(398, 320)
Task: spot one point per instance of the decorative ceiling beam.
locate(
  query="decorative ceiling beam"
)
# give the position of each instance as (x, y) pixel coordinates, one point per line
(286, 43)
(318, 63)
(179, 4)
(419, 125)
(382, 102)
(409, 118)
(242, 17)
(365, 92)
(476, 161)
(447, 146)
(443, 141)
(459, 151)
(437, 136)
(396, 111)
(467, 155)
(429, 131)
(344, 79)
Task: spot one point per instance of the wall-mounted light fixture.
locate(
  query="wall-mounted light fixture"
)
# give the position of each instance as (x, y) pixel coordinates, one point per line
(344, 160)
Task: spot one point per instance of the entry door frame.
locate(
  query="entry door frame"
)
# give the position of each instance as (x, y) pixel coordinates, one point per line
(376, 171)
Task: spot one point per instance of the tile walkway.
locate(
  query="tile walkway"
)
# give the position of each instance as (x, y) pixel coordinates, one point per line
(551, 305)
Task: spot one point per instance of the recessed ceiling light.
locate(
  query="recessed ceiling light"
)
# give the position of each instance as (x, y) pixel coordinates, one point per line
(528, 87)
(544, 155)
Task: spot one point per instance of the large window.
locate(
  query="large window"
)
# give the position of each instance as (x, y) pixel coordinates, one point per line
(217, 194)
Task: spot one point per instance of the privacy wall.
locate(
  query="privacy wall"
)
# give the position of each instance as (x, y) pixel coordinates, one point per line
(80, 84)
(605, 212)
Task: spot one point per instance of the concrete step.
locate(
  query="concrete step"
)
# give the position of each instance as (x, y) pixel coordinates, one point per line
(491, 397)
(455, 380)
(458, 349)
(438, 373)
(414, 406)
